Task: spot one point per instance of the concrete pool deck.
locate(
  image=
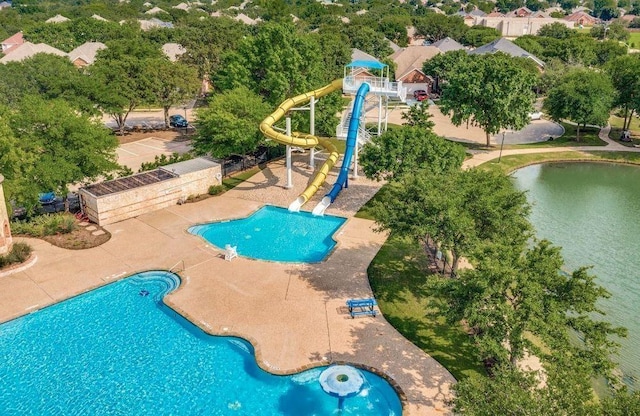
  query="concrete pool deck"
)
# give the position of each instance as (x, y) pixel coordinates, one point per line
(293, 314)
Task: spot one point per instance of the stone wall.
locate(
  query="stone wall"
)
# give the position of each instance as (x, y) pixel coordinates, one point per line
(5, 229)
(120, 206)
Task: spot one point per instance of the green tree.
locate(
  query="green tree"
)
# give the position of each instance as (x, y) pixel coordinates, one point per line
(174, 83)
(367, 39)
(556, 30)
(515, 392)
(493, 92)
(509, 295)
(460, 210)
(436, 26)
(479, 35)
(125, 72)
(405, 150)
(394, 28)
(582, 96)
(442, 64)
(229, 124)
(61, 147)
(277, 63)
(625, 73)
(49, 76)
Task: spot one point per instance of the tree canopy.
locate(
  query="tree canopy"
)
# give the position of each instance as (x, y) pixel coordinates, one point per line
(582, 96)
(56, 146)
(493, 92)
(229, 124)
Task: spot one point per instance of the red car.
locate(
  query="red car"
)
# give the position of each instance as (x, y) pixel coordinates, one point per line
(420, 95)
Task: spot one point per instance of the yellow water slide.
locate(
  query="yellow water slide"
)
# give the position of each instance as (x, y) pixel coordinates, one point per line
(306, 141)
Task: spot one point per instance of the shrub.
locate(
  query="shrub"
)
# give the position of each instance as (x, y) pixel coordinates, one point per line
(216, 189)
(60, 223)
(18, 254)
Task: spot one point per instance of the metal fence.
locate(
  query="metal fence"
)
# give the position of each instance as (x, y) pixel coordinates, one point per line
(239, 163)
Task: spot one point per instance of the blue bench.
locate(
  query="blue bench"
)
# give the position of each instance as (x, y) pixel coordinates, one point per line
(361, 307)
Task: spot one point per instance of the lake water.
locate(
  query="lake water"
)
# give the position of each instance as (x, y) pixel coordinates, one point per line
(592, 210)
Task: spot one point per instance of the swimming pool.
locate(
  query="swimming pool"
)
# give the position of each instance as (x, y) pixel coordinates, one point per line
(274, 233)
(119, 350)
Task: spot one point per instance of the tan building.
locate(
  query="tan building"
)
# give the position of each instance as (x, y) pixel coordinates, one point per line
(123, 198)
(85, 54)
(512, 27)
(581, 18)
(27, 50)
(5, 230)
(409, 62)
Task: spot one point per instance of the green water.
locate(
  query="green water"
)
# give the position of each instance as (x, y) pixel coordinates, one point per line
(592, 210)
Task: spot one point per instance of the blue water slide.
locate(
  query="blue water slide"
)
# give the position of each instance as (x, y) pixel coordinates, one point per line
(352, 138)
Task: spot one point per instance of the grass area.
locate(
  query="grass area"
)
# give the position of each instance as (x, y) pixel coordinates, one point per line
(616, 130)
(634, 40)
(588, 137)
(510, 163)
(235, 180)
(399, 279)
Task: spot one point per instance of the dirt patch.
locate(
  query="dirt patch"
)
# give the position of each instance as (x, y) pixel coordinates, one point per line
(81, 238)
(130, 137)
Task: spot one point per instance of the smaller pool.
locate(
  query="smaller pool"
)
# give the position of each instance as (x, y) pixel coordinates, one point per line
(274, 233)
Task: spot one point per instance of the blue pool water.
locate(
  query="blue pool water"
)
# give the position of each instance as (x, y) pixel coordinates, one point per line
(274, 233)
(119, 350)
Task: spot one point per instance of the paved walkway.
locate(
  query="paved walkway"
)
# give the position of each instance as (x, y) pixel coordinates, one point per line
(293, 314)
(480, 156)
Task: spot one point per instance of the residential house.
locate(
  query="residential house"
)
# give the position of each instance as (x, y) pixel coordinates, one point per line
(506, 46)
(469, 18)
(12, 42)
(155, 10)
(98, 17)
(154, 23)
(173, 51)
(520, 12)
(247, 20)
(447, 44)
(85, 54)
(27, 50)
(182, 6)
(394, 46)
(581, 18)
(409, 63)
(627, 18)
(360, 56)
(57, 19)
(5, 5)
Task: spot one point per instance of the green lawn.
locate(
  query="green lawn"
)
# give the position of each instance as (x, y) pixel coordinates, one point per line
(588, 137)
(398, 276)
(510, 163)
(616, 129)
(235, 180)
(634, 40)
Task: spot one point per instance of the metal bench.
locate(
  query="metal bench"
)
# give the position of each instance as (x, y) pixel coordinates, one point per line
(361, 307)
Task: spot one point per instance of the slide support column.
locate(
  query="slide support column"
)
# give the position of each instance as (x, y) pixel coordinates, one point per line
(288, 157)
(312, 123)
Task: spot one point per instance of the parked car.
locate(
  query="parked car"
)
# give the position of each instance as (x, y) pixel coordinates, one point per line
(420, 95)
(177, 120)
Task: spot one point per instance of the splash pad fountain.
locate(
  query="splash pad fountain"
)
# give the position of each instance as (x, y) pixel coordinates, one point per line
(341, 381)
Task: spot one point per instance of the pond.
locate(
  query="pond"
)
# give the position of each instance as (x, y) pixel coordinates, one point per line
(592, 210)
